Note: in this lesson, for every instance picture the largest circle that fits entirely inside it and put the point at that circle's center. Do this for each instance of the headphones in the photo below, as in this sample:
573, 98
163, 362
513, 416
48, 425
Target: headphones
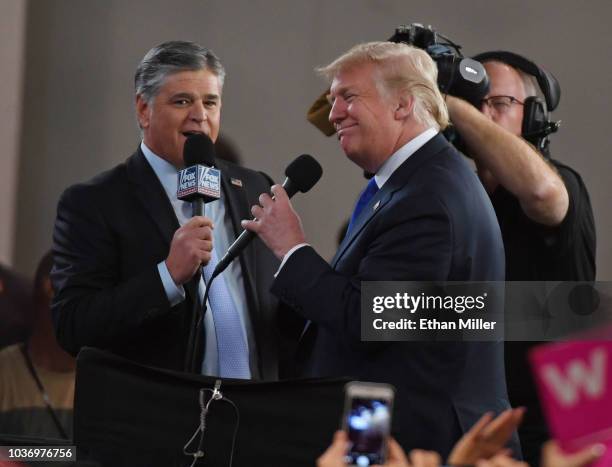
537, 124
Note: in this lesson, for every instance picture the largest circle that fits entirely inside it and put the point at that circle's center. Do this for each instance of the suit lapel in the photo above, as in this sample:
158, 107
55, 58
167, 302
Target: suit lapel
236, 195
237, 206
398, 180
154, 200
369, 211
152, 196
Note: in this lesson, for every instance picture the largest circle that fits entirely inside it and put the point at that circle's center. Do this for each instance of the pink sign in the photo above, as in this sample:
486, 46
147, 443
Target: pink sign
575, 385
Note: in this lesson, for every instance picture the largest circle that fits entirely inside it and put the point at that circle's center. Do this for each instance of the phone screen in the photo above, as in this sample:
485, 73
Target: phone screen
368, 427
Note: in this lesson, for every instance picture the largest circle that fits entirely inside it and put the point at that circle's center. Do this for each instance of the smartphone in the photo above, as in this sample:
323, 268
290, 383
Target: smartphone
367, 422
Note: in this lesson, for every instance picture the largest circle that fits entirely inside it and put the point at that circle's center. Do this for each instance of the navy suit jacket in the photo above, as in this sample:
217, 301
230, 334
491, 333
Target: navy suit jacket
110, 234
431, 221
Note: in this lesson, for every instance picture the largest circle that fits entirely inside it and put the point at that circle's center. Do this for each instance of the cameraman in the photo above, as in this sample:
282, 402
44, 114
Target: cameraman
542, 205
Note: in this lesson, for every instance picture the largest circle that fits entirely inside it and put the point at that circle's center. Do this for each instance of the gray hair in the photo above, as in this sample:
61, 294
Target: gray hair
530, 85
403, 68
173, 57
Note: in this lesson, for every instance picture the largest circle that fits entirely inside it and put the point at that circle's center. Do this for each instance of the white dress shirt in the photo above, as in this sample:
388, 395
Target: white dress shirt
222, 238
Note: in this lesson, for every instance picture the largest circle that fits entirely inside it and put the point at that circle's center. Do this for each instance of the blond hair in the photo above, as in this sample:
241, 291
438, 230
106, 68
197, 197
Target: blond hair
404, 69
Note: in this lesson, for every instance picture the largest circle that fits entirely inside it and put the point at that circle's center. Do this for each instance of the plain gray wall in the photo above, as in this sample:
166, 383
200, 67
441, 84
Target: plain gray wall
12, 40
78, 116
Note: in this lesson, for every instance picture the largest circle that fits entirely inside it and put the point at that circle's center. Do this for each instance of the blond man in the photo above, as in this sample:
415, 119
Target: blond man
424, 216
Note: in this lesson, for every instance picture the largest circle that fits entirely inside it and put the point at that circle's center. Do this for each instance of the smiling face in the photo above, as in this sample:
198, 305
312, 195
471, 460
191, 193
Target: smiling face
364, 118
187, 102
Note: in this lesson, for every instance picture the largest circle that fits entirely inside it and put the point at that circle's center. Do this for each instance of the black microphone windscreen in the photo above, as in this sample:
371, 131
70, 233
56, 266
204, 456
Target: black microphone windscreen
304, 172
199, 149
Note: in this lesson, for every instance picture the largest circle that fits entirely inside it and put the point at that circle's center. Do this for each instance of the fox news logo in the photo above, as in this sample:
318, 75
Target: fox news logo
198, 179
209, 182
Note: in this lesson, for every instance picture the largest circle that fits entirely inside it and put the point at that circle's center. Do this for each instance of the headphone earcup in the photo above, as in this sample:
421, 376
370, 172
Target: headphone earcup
535, 120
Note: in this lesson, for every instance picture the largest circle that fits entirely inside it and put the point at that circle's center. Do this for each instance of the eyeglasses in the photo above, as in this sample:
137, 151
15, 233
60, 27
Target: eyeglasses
500, 104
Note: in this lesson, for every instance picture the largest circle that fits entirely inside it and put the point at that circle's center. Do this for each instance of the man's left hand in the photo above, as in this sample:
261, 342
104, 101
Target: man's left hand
276, 222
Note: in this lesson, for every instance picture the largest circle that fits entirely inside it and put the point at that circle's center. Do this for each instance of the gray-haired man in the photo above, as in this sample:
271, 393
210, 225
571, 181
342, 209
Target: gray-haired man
126, 250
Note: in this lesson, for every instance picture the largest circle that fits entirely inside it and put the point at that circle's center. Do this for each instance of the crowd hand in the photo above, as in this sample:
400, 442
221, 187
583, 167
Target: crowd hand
335, 455
486, 438
553, 456
190, 248
500, 460
276, 222
418, 457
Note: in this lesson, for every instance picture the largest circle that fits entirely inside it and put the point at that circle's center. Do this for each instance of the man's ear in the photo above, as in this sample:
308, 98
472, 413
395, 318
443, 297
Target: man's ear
142, 112
405, 103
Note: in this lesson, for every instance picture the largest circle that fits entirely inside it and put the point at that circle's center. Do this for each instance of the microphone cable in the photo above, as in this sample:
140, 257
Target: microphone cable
202, 307
204, 409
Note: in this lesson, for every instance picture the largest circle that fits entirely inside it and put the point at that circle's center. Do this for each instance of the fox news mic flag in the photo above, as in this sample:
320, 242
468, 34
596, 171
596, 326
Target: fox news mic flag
199, 182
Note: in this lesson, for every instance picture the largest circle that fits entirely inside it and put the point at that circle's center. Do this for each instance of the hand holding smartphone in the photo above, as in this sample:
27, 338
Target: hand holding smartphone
367, 422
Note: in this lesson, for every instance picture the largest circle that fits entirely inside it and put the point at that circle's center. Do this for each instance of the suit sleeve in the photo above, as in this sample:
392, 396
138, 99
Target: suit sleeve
412, 245
94, 305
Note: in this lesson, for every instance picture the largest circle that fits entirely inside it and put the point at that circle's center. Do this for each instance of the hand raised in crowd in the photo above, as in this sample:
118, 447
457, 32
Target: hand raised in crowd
418, 457
190, 248
336, 452
553, 456
501, 460
486, 438
335, 455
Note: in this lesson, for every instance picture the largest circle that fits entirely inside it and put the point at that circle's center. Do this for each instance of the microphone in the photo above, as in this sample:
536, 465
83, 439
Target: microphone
199, 182
547, 129
302, 174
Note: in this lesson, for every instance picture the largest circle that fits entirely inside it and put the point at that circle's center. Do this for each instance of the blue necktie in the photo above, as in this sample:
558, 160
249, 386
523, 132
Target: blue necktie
232, 348
231, 345
366, 196
370, 190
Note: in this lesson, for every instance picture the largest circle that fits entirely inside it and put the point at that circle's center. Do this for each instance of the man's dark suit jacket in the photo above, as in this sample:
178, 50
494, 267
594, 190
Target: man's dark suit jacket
434, 222
111, 233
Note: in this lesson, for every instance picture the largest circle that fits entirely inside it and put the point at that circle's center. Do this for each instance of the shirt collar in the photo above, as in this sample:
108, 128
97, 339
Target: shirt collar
400, 156
165, 171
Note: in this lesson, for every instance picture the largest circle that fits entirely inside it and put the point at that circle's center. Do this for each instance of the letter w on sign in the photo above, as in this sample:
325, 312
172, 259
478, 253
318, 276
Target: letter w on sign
574, 386
588, 377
